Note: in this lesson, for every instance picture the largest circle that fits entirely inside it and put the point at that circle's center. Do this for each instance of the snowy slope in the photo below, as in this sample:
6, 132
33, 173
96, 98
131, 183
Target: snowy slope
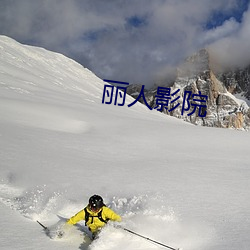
179, 184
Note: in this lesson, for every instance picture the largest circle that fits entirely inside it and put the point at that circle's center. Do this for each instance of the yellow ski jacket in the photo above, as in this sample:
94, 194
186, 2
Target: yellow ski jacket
94, 223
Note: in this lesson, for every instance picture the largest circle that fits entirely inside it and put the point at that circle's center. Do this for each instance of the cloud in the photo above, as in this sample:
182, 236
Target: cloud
135, 41
233, 49
228, 28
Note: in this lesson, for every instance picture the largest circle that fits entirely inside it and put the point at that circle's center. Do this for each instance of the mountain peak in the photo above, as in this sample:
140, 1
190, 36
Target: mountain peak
197, 64
197, 75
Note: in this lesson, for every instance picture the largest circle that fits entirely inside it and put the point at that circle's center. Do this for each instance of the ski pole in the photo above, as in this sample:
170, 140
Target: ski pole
146, 238
45, 228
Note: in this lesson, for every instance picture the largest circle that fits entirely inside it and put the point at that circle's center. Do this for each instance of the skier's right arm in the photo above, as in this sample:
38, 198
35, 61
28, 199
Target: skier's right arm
77, 217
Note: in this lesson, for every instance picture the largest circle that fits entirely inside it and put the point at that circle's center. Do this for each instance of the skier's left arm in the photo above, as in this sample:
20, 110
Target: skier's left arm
111, 215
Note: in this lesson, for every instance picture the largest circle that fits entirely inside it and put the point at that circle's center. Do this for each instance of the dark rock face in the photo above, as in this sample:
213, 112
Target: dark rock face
237, 81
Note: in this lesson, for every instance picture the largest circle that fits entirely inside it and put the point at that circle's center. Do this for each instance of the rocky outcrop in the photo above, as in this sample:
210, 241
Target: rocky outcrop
237, 81
223, 109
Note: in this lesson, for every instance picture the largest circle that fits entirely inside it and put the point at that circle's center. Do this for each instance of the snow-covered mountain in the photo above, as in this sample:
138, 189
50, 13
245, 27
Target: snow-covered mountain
223, 109
227, 93
182, 185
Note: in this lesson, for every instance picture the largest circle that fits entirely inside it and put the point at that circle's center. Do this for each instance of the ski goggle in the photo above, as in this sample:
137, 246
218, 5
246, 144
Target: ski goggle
94, 208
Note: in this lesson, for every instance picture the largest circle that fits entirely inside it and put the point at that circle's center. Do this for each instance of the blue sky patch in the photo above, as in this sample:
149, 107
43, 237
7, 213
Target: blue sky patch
219, 17
136, 21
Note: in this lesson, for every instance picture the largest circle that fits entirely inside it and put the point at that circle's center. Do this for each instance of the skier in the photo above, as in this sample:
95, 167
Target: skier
95, 214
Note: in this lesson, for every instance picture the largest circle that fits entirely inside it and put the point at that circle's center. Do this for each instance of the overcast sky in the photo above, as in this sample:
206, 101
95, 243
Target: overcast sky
131, 40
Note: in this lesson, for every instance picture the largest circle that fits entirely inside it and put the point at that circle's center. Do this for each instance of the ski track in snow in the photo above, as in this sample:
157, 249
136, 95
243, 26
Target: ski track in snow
42, 116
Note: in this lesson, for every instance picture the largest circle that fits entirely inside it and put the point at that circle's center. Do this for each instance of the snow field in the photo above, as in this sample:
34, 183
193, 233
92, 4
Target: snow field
146, 215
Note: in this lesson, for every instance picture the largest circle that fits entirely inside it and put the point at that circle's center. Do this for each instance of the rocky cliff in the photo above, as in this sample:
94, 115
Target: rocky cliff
223, 107
237, 81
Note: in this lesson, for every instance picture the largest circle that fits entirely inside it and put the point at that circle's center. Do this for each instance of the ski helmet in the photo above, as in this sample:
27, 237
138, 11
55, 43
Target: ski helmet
95, 202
